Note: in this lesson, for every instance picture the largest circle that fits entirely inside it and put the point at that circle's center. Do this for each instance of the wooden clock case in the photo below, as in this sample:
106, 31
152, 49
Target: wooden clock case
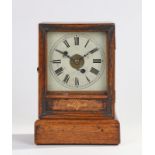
75, 117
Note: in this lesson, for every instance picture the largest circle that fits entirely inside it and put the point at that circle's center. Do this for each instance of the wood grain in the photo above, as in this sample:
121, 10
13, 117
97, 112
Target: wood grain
76, 105
77, 132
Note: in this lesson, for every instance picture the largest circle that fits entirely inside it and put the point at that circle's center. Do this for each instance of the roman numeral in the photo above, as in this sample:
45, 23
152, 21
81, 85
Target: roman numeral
66, 43
96, 60
59, 71
86, 44
94, 71
76, 39
66, 78
56, 61
93, 50
88, 79
76, 81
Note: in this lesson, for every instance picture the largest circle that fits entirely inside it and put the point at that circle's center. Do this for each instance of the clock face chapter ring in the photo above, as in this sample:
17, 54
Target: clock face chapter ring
76, 65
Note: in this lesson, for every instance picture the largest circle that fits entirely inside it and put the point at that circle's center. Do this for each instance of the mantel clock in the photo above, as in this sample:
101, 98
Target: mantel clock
76, 84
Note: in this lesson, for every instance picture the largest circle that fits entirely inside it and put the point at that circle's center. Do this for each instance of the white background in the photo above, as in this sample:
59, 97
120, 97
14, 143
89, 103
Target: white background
127, 17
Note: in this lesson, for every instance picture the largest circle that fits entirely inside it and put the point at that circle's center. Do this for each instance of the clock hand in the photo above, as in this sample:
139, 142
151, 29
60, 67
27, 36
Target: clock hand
65, 53
91, 52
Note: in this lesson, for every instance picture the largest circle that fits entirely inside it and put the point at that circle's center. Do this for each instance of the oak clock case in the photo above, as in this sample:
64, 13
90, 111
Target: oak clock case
76, 84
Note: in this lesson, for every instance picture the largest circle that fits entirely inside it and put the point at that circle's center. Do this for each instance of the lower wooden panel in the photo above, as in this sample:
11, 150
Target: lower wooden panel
77, 132
76, 105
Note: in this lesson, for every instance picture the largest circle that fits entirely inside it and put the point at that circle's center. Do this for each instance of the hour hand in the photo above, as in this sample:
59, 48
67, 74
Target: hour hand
91, 52
65, 53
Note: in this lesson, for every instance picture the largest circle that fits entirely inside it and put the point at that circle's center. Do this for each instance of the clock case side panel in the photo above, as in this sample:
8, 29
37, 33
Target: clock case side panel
45, 96
41, 72
111, 70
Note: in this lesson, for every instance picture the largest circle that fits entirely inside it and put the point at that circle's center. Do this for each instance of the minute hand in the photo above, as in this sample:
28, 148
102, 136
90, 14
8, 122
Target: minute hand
65, 53
91, 52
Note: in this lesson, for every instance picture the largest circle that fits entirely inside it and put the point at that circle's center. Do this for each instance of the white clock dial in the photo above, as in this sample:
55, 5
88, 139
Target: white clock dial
76, 61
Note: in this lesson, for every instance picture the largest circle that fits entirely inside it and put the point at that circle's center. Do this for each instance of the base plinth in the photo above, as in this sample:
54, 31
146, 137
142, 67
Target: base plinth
77, 131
